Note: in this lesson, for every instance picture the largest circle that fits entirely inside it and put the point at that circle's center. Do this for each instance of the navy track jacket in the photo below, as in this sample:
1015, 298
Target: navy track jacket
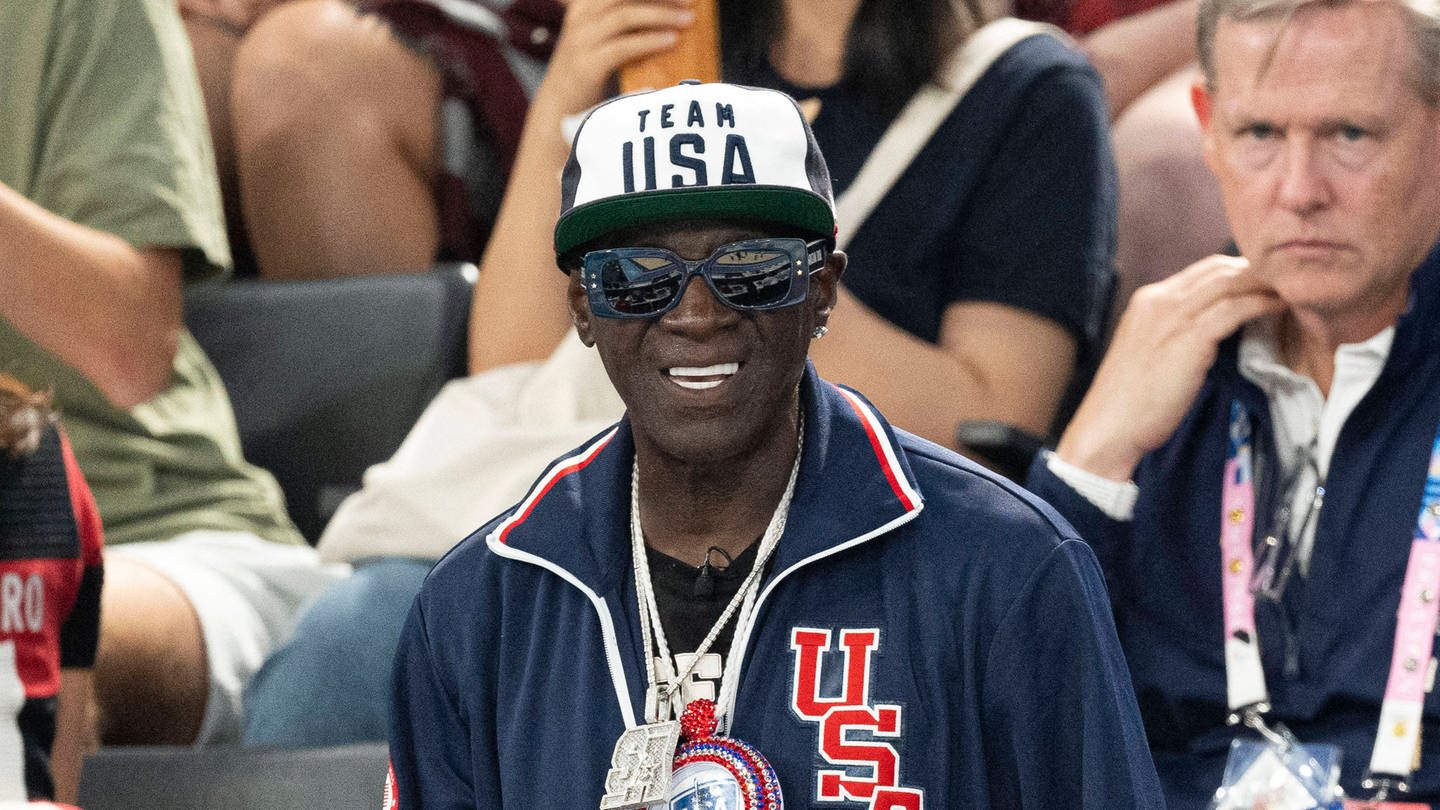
929, 636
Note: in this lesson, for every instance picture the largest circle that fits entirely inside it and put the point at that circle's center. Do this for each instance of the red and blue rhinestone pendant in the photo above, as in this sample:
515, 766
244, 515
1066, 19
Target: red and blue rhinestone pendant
719, 773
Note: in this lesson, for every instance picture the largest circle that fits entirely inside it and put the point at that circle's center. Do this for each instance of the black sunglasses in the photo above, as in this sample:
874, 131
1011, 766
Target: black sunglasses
646, 282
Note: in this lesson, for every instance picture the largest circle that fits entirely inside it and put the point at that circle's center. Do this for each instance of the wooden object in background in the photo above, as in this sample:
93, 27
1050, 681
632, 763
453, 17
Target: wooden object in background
696, 55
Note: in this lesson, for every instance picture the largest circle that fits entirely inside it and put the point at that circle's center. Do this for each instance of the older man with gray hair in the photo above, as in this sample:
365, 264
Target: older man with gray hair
1252, 458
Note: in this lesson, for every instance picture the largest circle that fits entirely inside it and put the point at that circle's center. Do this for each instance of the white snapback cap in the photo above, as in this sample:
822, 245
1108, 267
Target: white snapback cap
694, 151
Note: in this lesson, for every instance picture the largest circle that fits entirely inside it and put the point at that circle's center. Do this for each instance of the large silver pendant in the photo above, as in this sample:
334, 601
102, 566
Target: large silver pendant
722, 773
640, 767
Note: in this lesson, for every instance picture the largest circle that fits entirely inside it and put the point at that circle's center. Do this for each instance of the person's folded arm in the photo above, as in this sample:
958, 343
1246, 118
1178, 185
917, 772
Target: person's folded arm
992, 361
102, 305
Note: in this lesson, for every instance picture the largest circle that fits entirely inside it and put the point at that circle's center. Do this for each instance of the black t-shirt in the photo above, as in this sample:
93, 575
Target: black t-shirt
686, 616
1012, 201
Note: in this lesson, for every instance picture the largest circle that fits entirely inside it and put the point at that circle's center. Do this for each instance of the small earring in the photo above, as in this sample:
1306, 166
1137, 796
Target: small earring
820, 331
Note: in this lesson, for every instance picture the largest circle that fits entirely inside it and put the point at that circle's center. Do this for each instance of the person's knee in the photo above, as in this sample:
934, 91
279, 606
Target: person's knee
1170, 212
319, 89
287, 77
1162, 172
1157, 143
151, 676
313, 67
1157, 146
1159, 181
355, 611
328, 683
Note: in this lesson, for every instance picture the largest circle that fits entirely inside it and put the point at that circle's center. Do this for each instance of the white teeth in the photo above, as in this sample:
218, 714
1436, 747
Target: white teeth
707, 371
679, 375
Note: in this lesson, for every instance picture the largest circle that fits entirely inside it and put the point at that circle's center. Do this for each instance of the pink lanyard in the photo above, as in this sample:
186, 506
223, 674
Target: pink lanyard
1397, 740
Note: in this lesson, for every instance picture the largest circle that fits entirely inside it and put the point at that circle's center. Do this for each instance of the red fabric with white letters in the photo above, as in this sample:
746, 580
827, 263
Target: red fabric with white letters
50, 577
39, 593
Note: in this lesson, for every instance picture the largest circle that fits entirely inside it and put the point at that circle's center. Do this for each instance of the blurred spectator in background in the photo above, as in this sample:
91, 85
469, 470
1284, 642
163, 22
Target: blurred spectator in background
108, 203
367, 137
973, 289
1170, 211
50, 576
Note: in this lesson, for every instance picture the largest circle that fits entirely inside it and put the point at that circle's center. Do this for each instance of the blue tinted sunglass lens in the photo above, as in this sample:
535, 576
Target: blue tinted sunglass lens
640, 285
644, 282
753, 278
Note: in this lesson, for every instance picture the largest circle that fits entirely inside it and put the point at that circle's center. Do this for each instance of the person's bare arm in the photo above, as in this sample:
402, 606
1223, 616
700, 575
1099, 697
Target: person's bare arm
992, 361
1165, 342
515, 313
111, 310
74, 732
518, 310
1135, 53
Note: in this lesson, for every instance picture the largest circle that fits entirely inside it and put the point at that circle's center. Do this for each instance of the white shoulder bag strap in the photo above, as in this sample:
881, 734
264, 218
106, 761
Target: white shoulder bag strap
930, 106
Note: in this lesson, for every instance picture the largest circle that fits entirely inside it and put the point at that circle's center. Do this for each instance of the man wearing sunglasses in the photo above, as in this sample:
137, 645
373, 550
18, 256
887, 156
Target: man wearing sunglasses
1275, 559
834, 611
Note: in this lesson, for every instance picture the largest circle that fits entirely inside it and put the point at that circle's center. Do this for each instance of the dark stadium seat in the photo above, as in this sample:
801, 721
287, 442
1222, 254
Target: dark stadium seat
1002, 447
227, 778
327, 377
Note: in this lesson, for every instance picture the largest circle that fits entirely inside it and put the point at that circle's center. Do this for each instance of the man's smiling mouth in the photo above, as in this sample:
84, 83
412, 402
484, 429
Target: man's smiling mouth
699, 378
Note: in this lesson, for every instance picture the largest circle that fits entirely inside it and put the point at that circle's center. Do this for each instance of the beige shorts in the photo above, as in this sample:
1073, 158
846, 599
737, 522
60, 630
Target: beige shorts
248, 593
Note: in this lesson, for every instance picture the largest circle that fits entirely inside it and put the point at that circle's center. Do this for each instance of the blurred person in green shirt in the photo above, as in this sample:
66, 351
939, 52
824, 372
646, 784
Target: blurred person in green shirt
108, 205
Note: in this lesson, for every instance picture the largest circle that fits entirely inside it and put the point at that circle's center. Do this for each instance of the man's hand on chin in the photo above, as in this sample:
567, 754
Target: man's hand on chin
1158, 357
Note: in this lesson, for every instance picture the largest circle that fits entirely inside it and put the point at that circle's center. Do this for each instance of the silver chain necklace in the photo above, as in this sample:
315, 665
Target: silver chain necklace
659, 696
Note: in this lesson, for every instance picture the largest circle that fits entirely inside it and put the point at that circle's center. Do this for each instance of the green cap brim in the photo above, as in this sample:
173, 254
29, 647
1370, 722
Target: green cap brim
783, 205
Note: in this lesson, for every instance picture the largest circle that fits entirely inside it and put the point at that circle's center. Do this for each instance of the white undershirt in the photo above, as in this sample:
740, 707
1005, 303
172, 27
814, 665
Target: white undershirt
1298, 411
